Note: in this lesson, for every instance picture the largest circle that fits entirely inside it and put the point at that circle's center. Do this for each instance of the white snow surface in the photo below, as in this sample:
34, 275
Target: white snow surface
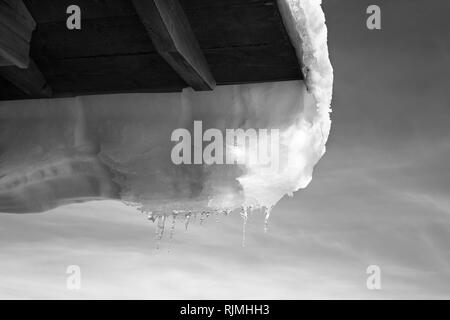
59, 151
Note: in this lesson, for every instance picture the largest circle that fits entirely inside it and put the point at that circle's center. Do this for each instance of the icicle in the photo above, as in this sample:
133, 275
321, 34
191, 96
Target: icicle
188, 219
266, 219
151, 216
172, 227
216, 215
244, 215
206, 215
202, 217
160, 229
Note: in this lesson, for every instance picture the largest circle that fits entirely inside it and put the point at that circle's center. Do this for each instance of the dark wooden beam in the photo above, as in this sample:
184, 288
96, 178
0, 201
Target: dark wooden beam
16, 27
171, 34
16, 66
30, 80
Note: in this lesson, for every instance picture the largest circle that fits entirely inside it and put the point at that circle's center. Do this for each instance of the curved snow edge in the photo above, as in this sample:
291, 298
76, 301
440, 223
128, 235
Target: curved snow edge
305, 22
306, 137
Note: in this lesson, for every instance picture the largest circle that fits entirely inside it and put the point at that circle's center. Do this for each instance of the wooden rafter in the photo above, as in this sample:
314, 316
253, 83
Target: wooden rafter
29, 80
171, 33
16, 66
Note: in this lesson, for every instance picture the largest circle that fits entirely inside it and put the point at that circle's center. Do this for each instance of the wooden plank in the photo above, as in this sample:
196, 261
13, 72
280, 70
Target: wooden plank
10, 92
21, 10
30, 80
172, 36
15, 22
112, 52
13, 48
97, 37
235, 25
111, 74
224, 4
16, 27
253, 64
149, 72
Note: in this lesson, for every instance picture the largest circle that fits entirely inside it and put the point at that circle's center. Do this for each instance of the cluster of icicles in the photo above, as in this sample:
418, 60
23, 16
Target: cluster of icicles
186, 217
305, 23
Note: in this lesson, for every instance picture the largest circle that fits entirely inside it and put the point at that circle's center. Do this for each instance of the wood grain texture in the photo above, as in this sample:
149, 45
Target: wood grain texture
243, 41
29, 80
171, 34
16, 27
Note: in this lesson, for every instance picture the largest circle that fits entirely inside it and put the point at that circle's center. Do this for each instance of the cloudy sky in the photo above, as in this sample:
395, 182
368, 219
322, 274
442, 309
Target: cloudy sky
379, 196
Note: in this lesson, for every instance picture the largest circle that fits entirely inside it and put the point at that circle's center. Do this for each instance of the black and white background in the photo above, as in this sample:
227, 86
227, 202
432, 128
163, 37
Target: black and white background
379, 196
